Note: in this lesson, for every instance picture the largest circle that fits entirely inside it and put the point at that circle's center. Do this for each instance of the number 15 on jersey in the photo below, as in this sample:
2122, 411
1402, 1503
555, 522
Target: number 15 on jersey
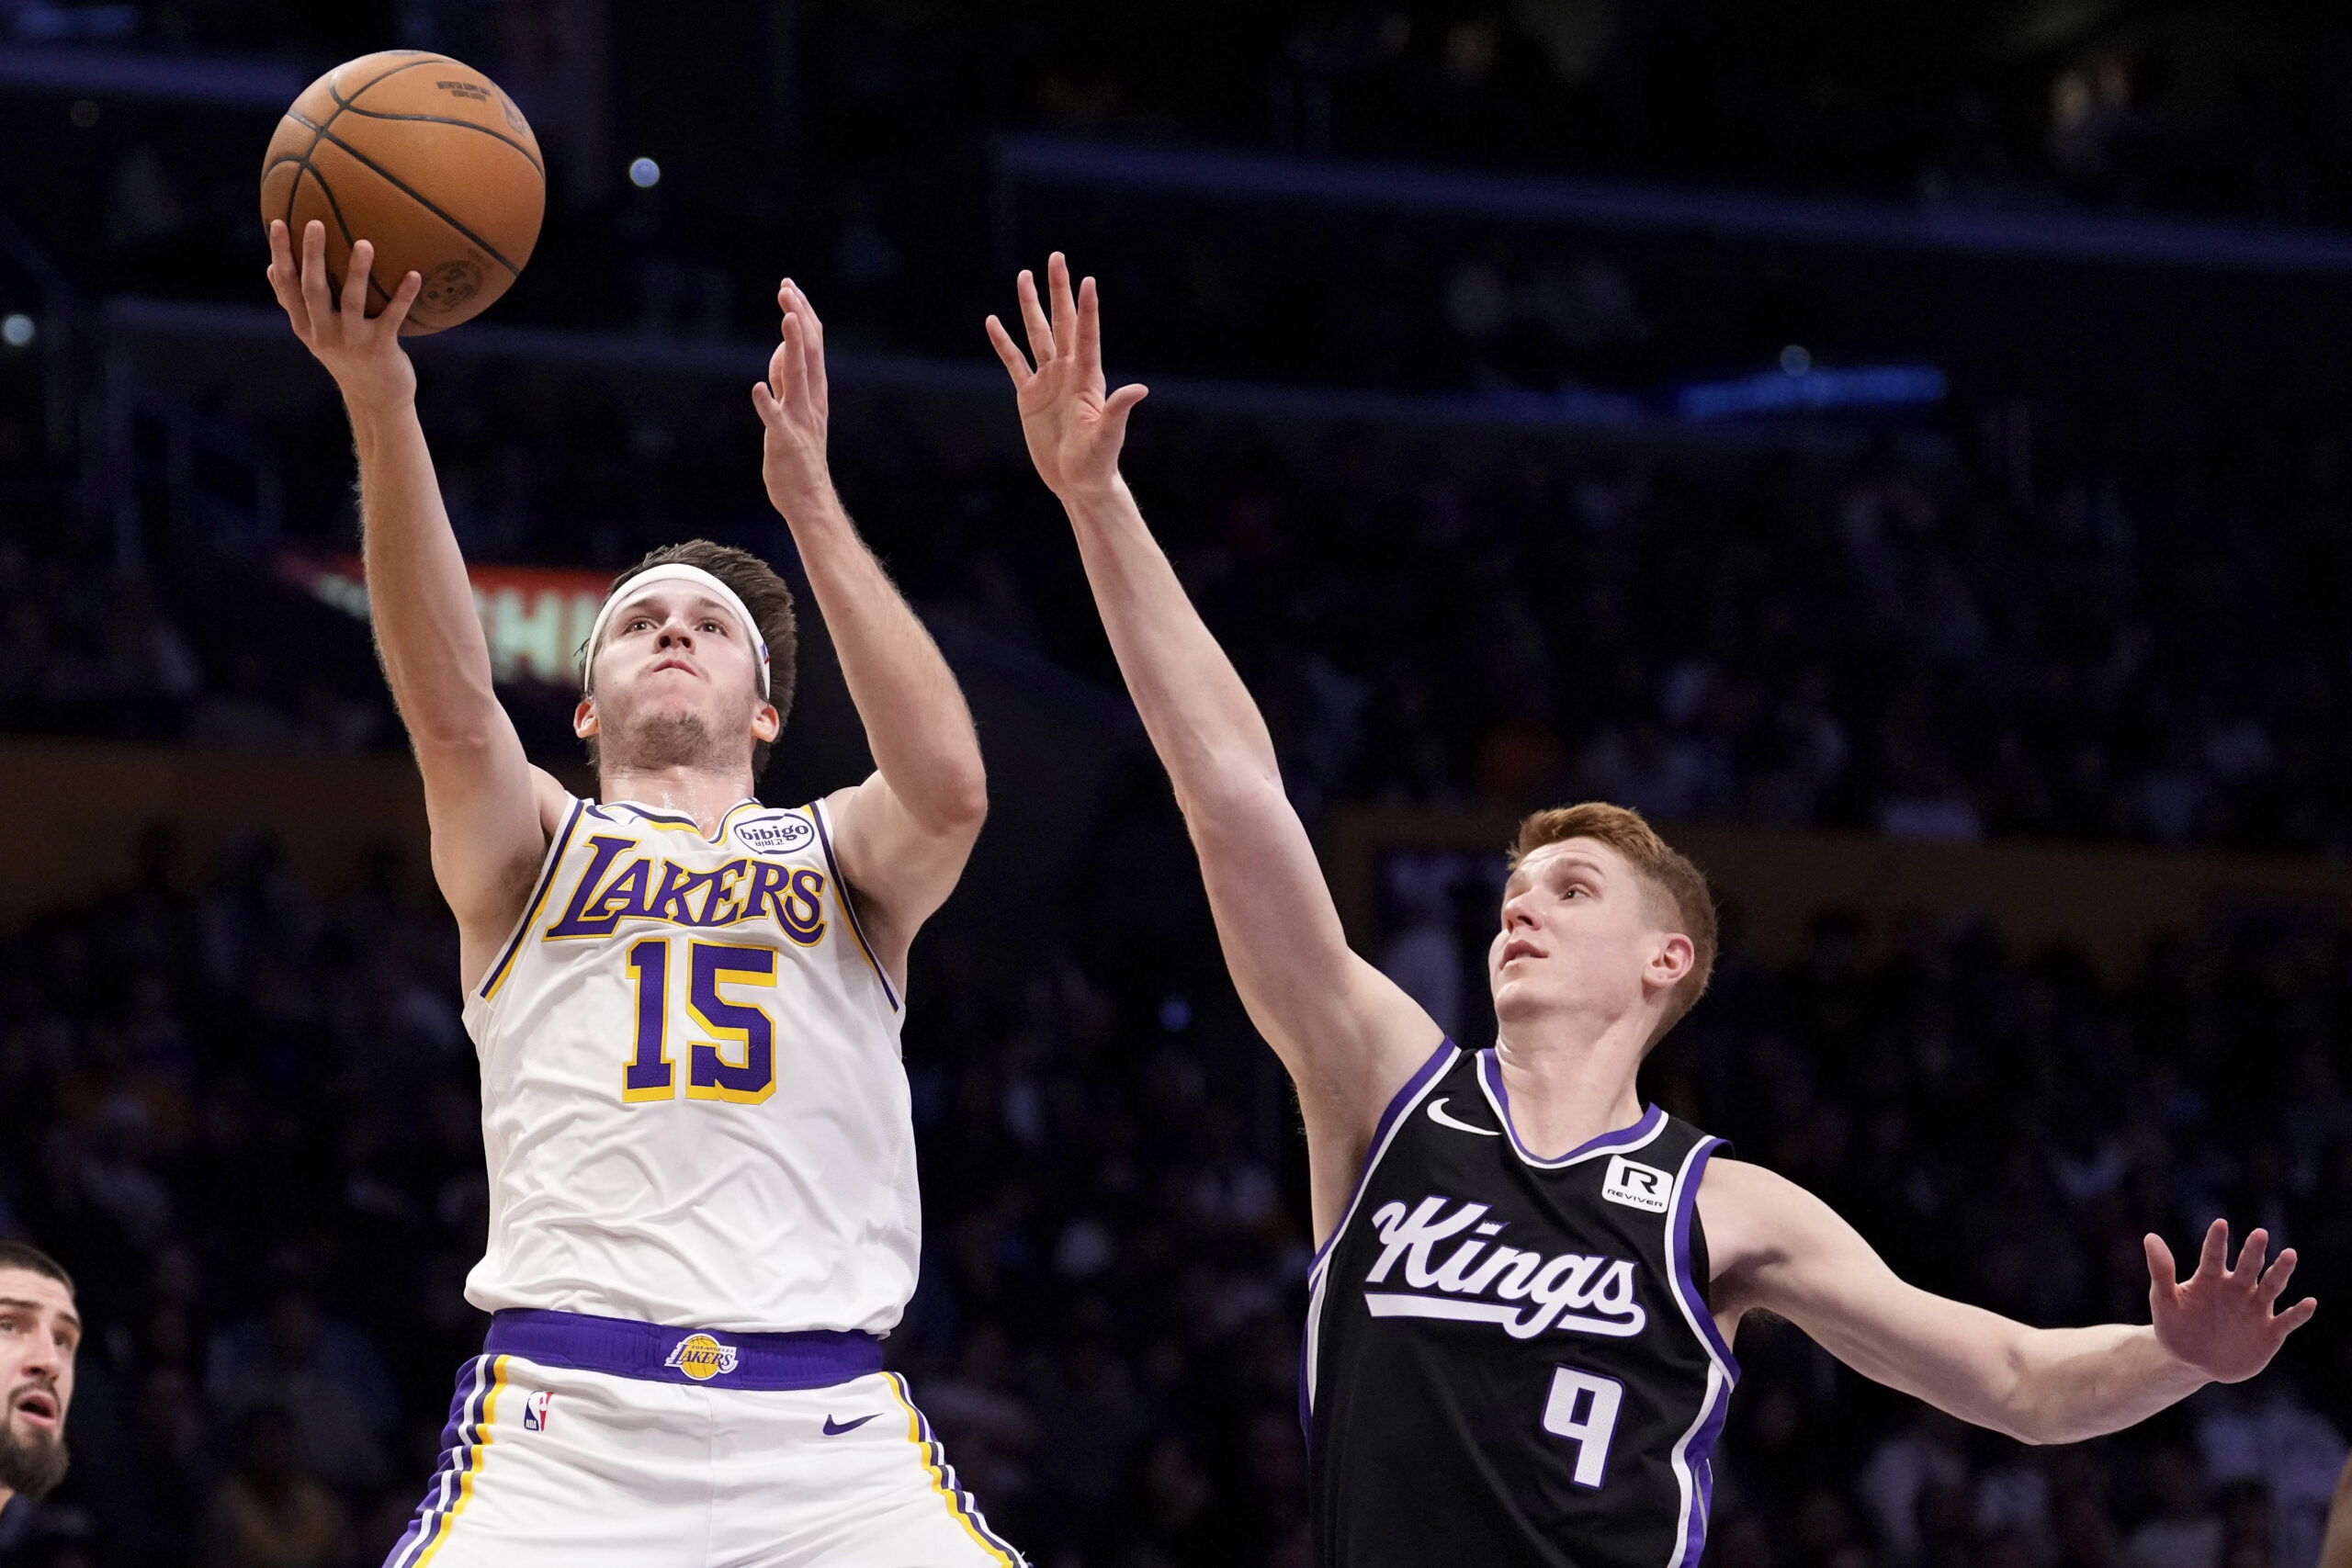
737, 1063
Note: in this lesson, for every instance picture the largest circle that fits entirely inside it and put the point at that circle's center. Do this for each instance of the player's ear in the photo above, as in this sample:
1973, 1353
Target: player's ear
583, 719
766, 722
1672, 959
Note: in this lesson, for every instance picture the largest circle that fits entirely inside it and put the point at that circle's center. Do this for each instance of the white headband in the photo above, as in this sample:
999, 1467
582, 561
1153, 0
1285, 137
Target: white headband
673, 571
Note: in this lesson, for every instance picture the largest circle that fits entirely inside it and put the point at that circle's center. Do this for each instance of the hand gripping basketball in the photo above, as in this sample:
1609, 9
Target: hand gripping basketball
2219, 1320
361, 352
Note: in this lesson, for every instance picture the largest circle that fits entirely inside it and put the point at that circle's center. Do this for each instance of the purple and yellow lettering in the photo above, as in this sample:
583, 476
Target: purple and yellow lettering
769, 881
802, 910
591, 914
720, 909
678, 888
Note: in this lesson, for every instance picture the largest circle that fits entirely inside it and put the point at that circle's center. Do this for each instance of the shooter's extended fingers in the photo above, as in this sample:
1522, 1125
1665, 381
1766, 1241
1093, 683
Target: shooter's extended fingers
1032, 317
814, 330
1016, 364
795, 360
354, 281
395, 311
284, 281
314, 274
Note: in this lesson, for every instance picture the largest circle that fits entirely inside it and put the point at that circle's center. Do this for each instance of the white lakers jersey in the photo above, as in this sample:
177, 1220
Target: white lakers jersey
693, 1102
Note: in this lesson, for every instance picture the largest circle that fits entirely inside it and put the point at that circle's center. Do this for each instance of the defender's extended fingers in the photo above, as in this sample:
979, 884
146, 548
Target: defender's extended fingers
764, 403
2295, 1316
1065, 303
1089, 329
354, 280
778, 371
396, 310
1032, 317
2252, 1255
2215, 1254
2164, 1273
2273, 1279
1120, 403
1016, 364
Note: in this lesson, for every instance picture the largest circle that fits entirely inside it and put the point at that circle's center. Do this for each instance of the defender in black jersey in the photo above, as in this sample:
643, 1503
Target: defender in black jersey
1518, 1341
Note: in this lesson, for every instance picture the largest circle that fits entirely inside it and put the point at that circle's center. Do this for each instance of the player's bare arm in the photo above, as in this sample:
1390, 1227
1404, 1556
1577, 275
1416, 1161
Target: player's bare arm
1776, 1247
1349, 1036
905, 832
490, 811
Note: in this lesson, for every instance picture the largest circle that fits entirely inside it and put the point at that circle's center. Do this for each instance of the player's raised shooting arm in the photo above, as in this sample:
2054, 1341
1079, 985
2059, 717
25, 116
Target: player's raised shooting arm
904, 834
1349, 1035
486, 804
1774, 1246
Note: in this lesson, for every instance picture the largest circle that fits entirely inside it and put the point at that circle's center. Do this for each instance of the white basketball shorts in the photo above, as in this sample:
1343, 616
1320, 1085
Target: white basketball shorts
614, 1444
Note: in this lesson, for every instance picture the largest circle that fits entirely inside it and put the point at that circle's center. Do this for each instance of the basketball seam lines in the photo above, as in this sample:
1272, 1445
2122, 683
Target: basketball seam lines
414, 195
447, 119
320, 130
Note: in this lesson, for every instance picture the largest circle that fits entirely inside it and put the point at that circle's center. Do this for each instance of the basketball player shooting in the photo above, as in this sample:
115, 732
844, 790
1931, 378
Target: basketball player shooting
686, 1005
1527, 1288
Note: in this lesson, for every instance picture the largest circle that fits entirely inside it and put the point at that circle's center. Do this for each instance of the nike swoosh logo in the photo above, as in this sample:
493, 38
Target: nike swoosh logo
832, 1430
1438, 1115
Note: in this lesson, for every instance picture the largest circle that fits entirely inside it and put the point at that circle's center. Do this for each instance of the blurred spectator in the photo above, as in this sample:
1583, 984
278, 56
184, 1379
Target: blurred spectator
267, 1513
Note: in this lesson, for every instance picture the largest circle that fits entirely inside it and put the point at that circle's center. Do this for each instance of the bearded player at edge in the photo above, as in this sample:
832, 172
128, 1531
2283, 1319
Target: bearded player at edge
1521, 1312
686, 1005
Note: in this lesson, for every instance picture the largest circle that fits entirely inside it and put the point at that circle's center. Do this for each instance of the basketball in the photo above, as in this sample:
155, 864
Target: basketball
425, 157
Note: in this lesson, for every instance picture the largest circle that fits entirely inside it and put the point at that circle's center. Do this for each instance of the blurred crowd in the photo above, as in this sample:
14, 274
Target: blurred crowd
246, 1118
1910, 630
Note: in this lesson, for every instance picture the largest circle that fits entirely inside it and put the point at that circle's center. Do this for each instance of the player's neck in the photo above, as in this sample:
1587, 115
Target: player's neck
1568, 1084
701, 794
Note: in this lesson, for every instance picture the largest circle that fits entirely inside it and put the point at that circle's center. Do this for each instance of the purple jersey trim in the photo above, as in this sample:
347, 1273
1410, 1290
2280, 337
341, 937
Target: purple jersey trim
538, 900
1698, 1455
623, 1347
841, 891
1686, 1207
1440, 1059
1490, 1073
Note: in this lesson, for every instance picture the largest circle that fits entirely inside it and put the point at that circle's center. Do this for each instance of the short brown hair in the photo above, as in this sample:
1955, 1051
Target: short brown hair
1682, 900
33, 1260
764, 593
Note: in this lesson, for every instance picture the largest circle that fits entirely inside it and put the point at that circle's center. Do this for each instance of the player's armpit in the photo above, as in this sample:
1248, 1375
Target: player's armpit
490, 838
901, 868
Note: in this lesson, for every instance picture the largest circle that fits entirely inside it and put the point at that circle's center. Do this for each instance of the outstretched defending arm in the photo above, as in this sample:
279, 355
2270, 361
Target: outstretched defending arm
904, 834
1349, 1035
490, 810
1778, 1248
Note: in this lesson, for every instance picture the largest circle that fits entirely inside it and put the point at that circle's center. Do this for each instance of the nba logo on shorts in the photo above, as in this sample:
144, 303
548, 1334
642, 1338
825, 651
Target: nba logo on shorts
702, 1357
534, 1411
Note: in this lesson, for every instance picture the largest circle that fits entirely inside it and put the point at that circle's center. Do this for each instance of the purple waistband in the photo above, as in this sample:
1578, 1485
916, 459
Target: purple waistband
623, 1347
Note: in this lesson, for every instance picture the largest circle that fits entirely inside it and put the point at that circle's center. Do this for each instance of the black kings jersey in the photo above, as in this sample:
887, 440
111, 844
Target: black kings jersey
1509, 1360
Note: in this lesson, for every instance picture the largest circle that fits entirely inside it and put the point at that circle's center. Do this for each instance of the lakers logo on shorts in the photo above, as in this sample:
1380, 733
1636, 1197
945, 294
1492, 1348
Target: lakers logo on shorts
702, 1357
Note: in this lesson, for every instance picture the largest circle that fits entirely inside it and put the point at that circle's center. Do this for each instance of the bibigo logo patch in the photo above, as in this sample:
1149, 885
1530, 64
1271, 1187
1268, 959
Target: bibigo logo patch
775, 835
702, 1357
1637, 1185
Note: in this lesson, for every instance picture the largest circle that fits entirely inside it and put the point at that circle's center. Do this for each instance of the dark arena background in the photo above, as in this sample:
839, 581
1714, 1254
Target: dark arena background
1903, 449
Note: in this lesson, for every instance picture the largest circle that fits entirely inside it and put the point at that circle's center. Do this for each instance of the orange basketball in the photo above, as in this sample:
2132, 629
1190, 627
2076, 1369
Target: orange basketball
426, 158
